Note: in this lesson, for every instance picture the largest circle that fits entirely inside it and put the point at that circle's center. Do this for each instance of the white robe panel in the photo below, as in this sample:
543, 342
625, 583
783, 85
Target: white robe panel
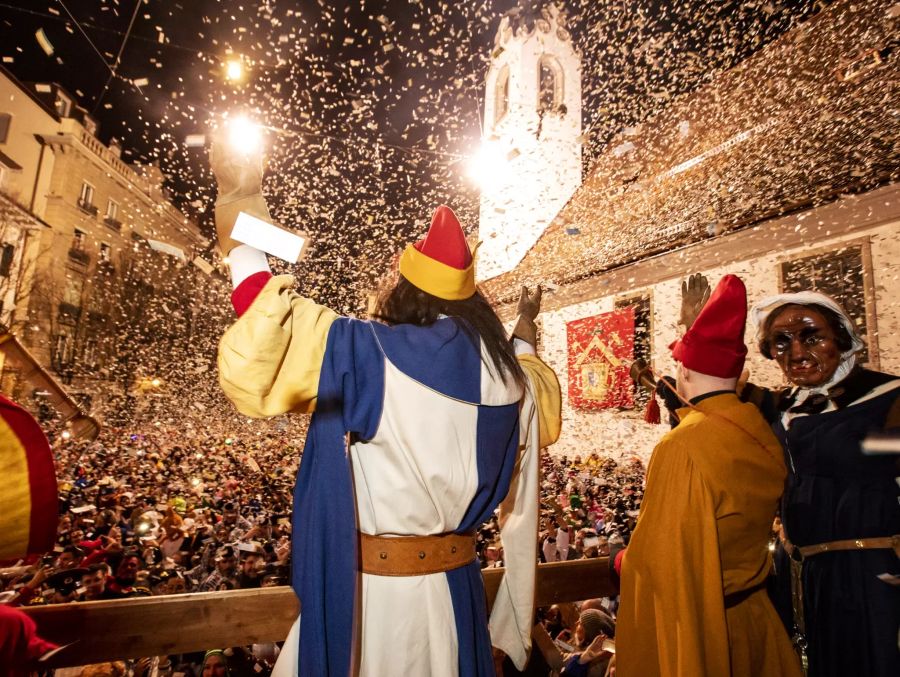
417, 476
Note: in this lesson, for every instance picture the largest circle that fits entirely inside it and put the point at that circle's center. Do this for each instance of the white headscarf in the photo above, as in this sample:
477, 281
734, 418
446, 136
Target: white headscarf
761, 311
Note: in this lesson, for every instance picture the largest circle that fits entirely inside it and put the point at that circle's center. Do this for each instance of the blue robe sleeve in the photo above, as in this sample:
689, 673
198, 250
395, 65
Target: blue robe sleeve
356, 386
350, 397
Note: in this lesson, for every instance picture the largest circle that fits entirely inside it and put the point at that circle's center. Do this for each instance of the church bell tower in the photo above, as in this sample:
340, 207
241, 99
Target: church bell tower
531, 156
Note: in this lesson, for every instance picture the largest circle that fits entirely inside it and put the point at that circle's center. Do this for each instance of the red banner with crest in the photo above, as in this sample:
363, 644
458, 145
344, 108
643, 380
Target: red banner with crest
601, 349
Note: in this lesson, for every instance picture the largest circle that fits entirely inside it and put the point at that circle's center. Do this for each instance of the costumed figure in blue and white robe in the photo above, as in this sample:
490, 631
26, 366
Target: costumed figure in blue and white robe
423, 425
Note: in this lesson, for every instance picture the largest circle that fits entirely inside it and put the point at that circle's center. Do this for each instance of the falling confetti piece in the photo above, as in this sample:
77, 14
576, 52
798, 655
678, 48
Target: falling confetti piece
203, 265
44, 42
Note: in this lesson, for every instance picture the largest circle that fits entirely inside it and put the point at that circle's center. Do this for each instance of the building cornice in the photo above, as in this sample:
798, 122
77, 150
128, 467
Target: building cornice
117, 169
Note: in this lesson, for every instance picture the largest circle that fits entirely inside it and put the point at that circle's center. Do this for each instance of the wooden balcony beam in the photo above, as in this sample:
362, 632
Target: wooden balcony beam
153, 626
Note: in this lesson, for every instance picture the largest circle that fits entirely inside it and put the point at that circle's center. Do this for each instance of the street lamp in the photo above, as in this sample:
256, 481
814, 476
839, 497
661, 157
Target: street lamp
234, 70
488, 165
244, 135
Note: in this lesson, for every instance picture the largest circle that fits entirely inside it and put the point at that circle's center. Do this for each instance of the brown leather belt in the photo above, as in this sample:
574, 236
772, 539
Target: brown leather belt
415, 555
800, 553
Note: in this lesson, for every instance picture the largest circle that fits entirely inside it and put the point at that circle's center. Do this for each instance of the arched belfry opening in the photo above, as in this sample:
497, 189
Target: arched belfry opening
501, 94
550, 85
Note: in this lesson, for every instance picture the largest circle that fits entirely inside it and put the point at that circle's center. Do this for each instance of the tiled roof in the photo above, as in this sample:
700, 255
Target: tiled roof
810, 117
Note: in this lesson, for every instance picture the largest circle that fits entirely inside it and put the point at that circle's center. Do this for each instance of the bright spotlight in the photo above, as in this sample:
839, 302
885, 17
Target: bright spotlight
244, 136
234, 70
488, 164
155, 383
66, 434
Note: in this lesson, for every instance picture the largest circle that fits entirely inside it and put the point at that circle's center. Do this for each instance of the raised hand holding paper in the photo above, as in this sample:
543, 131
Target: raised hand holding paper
242, 217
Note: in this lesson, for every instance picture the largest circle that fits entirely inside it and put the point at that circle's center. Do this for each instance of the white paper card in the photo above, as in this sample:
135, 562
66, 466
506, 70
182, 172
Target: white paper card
267, 237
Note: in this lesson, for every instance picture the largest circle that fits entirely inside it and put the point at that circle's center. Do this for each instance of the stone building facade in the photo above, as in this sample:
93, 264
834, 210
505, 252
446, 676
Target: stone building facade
111, 237
782, 170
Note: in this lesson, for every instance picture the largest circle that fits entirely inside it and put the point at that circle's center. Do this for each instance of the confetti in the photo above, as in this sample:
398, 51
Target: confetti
44, 42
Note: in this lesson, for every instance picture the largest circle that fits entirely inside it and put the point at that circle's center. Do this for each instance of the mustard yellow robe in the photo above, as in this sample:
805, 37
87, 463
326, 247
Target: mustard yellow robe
713, 485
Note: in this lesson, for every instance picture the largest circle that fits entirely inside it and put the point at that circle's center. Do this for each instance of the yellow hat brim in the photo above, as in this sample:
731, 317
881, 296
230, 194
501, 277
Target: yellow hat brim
436, 278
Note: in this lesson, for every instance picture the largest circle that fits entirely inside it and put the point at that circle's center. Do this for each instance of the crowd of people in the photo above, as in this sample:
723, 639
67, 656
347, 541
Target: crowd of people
589, 505
155, 512
165, 511
158, 513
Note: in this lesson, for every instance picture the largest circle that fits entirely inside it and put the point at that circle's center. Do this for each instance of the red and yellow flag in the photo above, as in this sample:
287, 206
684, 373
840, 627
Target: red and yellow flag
28, 497
601, 349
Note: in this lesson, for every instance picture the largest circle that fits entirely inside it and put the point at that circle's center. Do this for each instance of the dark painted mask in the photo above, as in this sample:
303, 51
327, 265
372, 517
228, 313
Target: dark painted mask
804, 345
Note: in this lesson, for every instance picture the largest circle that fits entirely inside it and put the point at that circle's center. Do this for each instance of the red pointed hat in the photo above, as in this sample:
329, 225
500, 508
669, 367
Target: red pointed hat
714, 345
441, 263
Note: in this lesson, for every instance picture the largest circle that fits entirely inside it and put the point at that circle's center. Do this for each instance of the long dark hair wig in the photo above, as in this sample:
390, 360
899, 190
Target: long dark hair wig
404, 303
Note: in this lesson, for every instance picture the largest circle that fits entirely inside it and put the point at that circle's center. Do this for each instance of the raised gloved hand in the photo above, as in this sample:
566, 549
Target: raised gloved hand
239, 178
238, 174
694, 295
528, 309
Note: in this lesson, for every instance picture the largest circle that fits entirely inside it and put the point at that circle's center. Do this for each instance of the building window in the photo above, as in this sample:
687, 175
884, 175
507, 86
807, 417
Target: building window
78, 250
63, 105
840, 275
73, 289
105, 253
550, 85
5, 122
86, 197
89, 353
63, 349
7, 251
501, 98
640, 304
112, 210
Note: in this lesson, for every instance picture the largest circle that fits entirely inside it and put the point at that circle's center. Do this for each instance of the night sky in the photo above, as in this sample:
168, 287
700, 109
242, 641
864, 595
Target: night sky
378, 103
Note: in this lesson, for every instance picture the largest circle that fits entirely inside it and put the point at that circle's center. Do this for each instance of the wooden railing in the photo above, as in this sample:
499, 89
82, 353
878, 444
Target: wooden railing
155, 626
